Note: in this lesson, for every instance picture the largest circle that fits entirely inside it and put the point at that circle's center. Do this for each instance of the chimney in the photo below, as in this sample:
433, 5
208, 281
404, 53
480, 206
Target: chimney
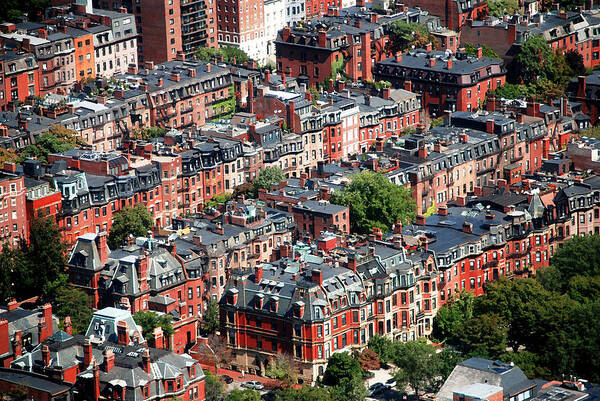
45, 355
374, 18
132, 69
283, 79
10, 167
4, 337
489, 126
160, 82
408, 85
175, 77
142, 268
42, 33
286, 34
357, 23
429, 47
330, 88
180, 56
422, 153
96, 373
68, 325
322, 39
146, 361
102, 245
17, 343
192, 72
109, 359
398, 57
479, 52
101, 99
431, 61
443, 210
565, 107
149, 65
512, 33
219, 228
461, 200
386, 93
303, 178
360, 3
341, 84
258, 274
352, 262
317, 276
398, 227
467, 227
122, 333
267, 76
87, 353
420, 220
581, 86
158, 338
449, 63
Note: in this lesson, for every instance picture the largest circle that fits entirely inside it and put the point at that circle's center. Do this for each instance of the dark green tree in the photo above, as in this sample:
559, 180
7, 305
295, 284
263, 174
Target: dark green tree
485, 336
11, 10
243, 395
134, 221
9, 262
383, 347
73, 302
213, 387
341, 366
584, 289
210, 320
58, 139
418, 366
510, 91
574, 60
44, 258
305, 393
449, 323
267, 177
374, 201
487, 51
150, 320
499, 8
228, 53
579, 256
406, 35
350, 389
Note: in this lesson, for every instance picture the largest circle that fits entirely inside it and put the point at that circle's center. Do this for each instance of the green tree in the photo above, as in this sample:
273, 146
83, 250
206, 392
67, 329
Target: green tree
584, 289
574, 60
451, 318
436, 122
499, 8
148, 132
285, 369
210, 320
305, 393
243, 395
519, 303
11, 10
228, 53
374, 201
150, 320
406, 35
218, 200
536, 60
579, 256
382, 346
58, 139
76, 304
213, 387
207, 54
349, 389
267, 177
9, 262
592, 132
510, 91
485, 336
43, 260
487, 51
418, 366
341, 366
134, 221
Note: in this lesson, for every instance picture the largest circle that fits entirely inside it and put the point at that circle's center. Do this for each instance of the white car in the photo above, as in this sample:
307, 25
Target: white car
253, 384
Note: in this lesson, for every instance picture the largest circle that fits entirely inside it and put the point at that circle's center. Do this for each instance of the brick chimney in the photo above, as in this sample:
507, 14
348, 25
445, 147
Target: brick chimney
479, 52
285, 35
158, 338
160, 82
408, 85
449, 63
68, 325
45, 322
317, 276
102, 245
122, 333
489, 126
87, 353
422, 153
45, 355
398, 57
398, 227
467, 227
581, 86
132, 69
443, 210
96, 373
429, 46
374, 18
352, 262
322, 39
258, 274
386, 93
432, 61
18, 343
420, 220
512, 33
146, 362
109, 359
4, 337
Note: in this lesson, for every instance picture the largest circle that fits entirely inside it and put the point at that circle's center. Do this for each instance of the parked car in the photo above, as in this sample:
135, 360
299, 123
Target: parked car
253, 384
378, 389
227, 379
391, 382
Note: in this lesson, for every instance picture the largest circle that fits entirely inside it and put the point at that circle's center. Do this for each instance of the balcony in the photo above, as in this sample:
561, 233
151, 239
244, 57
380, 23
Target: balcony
519, 254
490, 264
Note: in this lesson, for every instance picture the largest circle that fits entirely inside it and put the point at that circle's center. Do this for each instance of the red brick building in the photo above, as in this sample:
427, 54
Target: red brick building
37, 387
453, 14
314, 217
13, 216
456, 83
19, 78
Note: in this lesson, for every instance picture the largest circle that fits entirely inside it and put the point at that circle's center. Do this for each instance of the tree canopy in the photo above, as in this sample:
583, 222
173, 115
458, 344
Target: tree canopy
12, 10
407, 35
73, 302
58, 139
209, 54
499, 8
266, 177
213, 387
148, 132
374, 201
134, 221
150, 320
341, 365
210, 319
243, 395
487, 51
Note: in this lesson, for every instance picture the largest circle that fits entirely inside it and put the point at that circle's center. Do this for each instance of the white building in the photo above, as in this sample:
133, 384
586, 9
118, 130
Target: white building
275, 20
115, 45
294, 11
